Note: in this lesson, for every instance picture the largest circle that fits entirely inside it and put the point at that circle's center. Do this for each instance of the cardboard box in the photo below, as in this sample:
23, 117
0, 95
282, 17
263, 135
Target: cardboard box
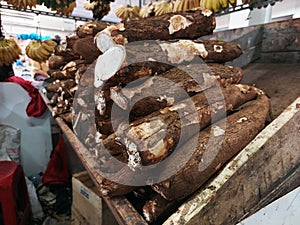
88, 208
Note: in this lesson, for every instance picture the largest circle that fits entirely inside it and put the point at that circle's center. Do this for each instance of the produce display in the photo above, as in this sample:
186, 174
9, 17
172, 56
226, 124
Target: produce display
133, 112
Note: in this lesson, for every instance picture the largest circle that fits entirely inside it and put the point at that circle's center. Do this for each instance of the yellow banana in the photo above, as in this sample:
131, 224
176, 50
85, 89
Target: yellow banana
223, 3
203, 3
162, 7
10, 51
186, 5
245, 1
215, 4
232, 2
208, 5
178, 6
197, 3
49, 45
44, 52
146, 10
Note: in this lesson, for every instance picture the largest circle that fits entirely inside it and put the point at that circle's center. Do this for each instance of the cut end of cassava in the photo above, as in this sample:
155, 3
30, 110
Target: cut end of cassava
108, 64
177, 23
104, 41
183, 50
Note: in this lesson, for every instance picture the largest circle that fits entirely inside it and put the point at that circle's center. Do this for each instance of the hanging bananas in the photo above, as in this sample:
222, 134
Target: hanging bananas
217, 5
89, 5
147, 10
22, 4
9, 51
101, 9
61, 6
127, 12
182, 5
67, 10
39, 50
232, 2
162, 7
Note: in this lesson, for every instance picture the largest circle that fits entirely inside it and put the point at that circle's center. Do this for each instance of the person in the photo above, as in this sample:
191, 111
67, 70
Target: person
6, 72
57, 39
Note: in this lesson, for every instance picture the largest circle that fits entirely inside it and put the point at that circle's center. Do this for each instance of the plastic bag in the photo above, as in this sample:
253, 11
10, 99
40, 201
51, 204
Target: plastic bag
10, 141
36, 207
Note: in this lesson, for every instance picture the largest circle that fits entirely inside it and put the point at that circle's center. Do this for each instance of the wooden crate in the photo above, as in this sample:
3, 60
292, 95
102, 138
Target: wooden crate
267, 168
87, 205
264, 170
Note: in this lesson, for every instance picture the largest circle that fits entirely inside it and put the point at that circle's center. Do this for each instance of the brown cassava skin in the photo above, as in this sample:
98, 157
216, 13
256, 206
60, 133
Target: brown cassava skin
241, 128
91, 28
56, 61
212, 51
86, 48
153, 28
179, 119
234, 98
186, 181
170, 84
155, 207
147, 98
54, 87
229, 51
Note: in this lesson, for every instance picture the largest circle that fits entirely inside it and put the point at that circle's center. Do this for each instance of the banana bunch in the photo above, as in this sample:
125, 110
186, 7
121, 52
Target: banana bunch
61, 6
162, 7
147, 10
182, 5
67, 10
89, 5
216, 5
22, 4
127, 12
39, 50
232, 2
9, 51
101, 8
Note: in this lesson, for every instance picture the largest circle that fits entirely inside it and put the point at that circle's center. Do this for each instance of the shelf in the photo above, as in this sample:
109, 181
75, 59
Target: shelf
254, 4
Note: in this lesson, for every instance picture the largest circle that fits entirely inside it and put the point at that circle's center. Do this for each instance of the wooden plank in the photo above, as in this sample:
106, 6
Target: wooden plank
251, 178
120, 207
289, 183
124, 212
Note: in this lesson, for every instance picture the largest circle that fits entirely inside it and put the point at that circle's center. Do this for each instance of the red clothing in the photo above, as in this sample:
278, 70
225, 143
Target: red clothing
36, 107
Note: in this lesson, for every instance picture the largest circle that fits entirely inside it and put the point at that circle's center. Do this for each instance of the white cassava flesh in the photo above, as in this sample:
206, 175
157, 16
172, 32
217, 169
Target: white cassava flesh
104, 41
108, 64
177, 23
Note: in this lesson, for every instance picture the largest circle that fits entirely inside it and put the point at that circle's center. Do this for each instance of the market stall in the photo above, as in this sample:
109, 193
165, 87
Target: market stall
167, 125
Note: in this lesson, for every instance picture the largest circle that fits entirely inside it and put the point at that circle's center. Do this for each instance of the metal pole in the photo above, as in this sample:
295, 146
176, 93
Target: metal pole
1, 34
